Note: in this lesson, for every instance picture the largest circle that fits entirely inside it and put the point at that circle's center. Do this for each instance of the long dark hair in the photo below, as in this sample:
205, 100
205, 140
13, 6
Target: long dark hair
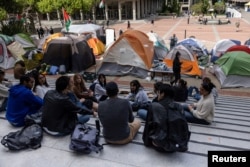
36, 77
99, 80
137, 85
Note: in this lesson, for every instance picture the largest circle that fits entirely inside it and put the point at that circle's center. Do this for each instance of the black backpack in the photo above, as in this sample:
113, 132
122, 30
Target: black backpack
28, 137
174, 136
178, 131
84, 139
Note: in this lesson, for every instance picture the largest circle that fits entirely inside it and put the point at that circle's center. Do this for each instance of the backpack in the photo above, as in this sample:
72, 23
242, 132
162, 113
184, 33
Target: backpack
28, 137
174, 136
177, 129
84, 139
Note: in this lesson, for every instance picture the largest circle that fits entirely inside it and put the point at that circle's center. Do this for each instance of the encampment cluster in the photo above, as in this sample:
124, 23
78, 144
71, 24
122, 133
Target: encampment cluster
132, 53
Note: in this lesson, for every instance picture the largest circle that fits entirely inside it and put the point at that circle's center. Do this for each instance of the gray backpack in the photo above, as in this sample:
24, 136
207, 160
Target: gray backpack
84, 139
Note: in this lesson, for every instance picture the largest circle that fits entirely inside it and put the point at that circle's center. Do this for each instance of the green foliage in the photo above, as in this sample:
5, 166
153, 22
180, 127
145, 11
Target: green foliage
205, 6
3, 14
219, 7
173, 7
47, 6
13, 28
196, 8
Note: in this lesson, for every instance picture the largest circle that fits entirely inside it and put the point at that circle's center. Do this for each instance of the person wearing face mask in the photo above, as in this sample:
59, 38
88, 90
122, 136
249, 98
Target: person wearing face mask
22, 101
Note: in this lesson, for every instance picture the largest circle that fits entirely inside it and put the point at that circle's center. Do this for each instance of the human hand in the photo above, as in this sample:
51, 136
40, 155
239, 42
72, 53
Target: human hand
82, 100
95, 114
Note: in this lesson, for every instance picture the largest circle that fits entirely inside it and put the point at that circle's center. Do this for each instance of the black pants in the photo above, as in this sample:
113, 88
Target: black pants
177, 76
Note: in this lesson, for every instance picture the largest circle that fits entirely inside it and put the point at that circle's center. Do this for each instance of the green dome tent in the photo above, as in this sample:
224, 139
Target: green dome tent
233, 69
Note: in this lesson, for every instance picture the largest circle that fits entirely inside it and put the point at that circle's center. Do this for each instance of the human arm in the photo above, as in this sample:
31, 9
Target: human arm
204, 108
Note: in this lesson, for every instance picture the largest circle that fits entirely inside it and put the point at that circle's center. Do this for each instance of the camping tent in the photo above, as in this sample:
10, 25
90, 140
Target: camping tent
71, 51
195, 45
6, 60
239, 48
83, 29
25, 41
45, 40
97, 46
160, 48
221, 46
131, 54
247, 43
189, 61
233, 70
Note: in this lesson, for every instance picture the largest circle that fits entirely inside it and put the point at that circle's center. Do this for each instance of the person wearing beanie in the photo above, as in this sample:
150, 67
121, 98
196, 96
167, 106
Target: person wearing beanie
116, 116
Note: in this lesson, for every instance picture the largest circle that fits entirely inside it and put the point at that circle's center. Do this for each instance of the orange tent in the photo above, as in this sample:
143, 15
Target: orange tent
189, 61
97, 46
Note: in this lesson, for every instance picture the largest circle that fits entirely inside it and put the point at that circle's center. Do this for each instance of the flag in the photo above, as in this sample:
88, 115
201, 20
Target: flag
101, 5
66, 19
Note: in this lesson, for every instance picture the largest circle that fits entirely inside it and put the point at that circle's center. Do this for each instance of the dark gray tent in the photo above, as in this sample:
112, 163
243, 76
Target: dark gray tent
71, 51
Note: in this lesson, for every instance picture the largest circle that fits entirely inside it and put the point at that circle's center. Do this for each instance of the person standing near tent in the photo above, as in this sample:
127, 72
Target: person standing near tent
173, 41
176, 68
51, 31
120, 32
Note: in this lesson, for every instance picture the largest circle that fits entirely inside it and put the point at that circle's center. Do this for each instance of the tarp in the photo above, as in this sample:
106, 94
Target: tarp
7, 39
45, 40
25, 41
130, 54
71, 51
233, 69
83, 29
189, 61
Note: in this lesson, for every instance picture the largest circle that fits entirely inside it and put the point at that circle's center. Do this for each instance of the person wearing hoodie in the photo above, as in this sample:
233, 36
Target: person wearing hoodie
137, 95
22, 101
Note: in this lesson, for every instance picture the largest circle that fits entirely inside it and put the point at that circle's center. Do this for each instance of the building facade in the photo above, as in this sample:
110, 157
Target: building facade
131, 9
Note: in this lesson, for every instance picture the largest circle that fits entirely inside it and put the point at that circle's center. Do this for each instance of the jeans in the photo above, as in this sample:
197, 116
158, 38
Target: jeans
83, 118
142, 113
190, 117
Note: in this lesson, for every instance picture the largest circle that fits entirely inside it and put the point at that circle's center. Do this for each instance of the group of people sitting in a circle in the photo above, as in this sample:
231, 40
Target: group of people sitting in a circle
71, 102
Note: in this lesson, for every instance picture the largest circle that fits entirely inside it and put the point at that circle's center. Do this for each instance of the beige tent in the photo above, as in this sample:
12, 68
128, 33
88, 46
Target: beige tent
131, 54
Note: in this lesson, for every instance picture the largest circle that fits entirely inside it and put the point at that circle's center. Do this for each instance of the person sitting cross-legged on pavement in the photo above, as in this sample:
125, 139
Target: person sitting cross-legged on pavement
41, 85
100, 90
59, 112
201, 112
181, 91
197, 94
116, 116
142, 113
137, 95
22, 101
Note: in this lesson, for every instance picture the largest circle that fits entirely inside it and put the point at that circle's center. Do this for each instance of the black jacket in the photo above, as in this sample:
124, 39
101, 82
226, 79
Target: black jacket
59, 113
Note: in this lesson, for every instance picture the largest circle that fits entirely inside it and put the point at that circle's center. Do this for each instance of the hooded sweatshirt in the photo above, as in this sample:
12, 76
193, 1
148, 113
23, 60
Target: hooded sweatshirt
21, 102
